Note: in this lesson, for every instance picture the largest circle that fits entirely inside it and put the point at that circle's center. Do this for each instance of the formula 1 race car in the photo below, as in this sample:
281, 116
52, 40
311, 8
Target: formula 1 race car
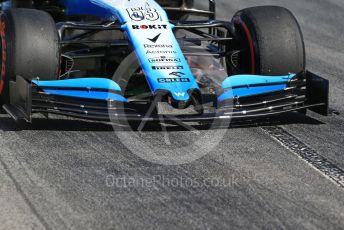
143, 59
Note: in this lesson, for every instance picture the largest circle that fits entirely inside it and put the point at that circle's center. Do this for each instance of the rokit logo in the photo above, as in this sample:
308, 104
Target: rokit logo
149, 27
167, 67
179, 78
163, 59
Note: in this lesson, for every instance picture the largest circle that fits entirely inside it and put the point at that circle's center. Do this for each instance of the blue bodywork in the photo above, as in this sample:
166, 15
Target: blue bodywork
106, 96
151, 35
246, 85
90, 88
140, 32
87, 83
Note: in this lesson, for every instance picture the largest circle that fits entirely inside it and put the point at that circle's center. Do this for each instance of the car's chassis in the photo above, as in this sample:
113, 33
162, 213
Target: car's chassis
82, 47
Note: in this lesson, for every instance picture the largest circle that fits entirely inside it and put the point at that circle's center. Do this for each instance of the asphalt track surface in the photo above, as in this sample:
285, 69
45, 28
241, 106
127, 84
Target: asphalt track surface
60, 173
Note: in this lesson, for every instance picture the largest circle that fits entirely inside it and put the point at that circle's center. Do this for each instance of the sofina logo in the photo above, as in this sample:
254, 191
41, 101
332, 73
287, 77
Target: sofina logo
163, 59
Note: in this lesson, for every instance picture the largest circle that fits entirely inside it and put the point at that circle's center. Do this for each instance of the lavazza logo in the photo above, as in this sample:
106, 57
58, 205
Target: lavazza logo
164, 60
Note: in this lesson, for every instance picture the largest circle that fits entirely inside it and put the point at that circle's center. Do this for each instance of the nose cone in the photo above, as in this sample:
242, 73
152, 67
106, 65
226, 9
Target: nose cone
180, 96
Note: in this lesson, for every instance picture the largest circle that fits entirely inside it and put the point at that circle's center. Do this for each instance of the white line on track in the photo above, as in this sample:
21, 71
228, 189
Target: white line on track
309, 155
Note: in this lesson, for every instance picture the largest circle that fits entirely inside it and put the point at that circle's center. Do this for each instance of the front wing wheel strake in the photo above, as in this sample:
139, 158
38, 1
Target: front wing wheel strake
242, 97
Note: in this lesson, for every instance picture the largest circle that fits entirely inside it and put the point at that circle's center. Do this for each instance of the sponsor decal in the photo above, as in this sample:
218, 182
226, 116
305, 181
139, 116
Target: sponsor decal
161, 52
158, 48
177, 79
142, 13
179, 94
163, 46
154, 39
173, 80
178, 74
167, 67
164, 59
149, 27
136, 14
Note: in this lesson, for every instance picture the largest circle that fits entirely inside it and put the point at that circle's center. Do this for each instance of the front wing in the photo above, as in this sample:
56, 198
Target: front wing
100, 99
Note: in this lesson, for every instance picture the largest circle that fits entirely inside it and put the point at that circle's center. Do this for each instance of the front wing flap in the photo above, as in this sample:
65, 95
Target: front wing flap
104, 102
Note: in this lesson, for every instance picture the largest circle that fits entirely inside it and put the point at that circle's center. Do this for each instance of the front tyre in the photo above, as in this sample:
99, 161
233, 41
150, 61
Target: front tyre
29, 47
271, 41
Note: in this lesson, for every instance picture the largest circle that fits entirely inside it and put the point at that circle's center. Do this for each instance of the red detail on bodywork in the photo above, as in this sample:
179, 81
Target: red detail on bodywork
4, 54
1, 86
238, 20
